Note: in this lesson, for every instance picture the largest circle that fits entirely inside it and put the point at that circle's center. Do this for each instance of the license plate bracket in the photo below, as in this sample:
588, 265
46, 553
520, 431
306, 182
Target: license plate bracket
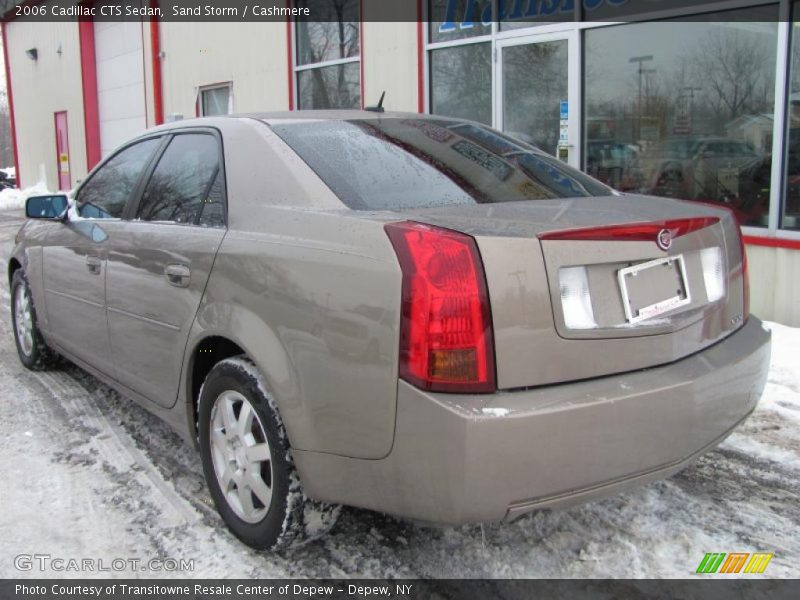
637, 282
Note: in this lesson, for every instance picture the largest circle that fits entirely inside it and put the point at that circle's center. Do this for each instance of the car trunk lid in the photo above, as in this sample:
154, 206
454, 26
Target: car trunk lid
580, 287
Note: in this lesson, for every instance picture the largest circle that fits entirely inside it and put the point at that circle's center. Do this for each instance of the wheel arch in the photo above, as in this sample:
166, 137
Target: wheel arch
221, 332
13, 266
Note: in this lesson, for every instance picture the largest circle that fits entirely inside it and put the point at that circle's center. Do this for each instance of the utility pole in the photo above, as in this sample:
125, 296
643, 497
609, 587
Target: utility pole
640, 60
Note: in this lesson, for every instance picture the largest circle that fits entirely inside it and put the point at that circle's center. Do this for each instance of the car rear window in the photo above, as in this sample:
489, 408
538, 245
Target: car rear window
392, 163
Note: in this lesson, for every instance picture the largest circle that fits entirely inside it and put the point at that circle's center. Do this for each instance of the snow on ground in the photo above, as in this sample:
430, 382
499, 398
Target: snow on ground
11, 198
87, 474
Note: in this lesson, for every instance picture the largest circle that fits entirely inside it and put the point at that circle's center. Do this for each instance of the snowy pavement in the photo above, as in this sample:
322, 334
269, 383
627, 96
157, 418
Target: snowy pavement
84, 473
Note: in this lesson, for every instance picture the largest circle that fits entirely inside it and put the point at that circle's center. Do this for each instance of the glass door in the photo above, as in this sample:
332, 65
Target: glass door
537, 99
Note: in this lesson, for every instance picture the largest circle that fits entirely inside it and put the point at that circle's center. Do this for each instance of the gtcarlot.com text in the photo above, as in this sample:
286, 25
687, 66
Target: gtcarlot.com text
63, 564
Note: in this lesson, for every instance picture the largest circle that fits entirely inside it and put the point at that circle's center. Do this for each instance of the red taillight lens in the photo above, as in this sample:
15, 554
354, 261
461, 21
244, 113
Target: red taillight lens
632, 231
446, 340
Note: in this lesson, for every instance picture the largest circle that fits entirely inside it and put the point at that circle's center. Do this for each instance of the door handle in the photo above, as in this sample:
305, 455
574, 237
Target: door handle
93, 263
178, 275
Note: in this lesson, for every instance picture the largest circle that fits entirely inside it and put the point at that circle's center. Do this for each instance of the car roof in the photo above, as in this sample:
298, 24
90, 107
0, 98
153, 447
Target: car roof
294, 116
331, 115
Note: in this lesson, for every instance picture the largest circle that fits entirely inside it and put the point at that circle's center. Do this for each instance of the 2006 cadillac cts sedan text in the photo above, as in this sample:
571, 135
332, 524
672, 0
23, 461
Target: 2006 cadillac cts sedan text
410, 314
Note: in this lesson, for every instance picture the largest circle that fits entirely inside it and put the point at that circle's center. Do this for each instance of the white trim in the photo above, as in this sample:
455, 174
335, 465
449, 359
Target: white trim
291, 31
786, 234
754, 231
327, 63
561, 26
763, 232
214, 86
460, 42
576, 125
426, 63
779, 146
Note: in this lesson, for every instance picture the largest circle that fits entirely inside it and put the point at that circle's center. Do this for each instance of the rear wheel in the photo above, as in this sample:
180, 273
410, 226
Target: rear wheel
248, 465
33, 352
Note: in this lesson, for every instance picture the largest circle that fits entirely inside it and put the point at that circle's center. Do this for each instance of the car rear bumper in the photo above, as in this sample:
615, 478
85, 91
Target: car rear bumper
473, 458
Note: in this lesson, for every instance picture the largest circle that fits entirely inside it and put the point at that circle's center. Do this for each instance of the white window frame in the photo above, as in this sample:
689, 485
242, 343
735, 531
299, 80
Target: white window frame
782, 81
296, 68
214, 86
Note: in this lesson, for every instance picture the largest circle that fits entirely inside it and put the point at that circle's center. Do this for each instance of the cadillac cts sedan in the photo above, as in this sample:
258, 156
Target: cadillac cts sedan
405, 313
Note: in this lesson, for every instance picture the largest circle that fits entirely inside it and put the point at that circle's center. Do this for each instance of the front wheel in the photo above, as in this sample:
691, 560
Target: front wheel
248, 465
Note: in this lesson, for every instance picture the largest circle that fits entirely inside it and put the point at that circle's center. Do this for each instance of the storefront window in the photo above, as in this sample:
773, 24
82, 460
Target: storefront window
461, 82
685, 109
328, 55
531, 105
790, 217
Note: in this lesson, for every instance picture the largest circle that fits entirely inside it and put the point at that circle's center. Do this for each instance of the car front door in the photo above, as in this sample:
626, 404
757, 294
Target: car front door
159, 260
74, 257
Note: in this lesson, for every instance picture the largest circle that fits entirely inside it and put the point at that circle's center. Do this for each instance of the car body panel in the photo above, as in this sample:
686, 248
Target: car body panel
472, 458
149, 317
330, 288
74, 291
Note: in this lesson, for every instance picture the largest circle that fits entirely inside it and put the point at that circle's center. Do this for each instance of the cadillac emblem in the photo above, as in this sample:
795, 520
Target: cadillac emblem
664, 239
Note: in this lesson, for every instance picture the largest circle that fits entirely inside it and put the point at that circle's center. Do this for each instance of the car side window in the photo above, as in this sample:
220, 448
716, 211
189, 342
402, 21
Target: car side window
104, 196
187, 184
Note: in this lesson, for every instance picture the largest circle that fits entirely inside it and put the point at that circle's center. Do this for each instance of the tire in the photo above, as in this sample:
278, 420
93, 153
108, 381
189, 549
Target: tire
248, 464
33, 352
671, 182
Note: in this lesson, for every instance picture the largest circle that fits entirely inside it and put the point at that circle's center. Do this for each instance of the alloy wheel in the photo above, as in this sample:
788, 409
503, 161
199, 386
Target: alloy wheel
241, 456
23, 319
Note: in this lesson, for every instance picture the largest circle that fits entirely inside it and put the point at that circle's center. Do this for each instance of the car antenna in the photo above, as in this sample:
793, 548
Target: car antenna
378, 107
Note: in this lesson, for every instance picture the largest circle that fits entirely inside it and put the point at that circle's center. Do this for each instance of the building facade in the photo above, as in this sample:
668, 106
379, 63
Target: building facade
700, 102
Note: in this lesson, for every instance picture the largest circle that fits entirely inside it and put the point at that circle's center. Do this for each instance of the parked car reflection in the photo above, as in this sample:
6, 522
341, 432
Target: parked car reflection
705, 169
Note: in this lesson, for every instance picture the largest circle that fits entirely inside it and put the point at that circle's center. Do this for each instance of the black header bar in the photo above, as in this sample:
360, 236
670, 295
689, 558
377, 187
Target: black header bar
457, 13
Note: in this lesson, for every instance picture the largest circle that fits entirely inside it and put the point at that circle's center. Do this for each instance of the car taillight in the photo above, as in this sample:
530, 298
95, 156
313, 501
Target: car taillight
446, 339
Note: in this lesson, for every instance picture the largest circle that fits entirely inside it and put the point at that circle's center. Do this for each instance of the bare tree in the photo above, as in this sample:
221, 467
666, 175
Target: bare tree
733, 66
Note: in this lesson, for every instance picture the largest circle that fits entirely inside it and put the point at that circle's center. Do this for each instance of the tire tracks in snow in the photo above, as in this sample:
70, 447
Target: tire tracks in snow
116, 447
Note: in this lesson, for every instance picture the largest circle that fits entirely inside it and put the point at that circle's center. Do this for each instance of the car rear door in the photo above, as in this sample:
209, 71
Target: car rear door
74, 256
159, 261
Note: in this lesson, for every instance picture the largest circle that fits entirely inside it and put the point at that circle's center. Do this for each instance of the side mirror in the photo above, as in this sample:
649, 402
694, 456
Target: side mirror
46, 207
